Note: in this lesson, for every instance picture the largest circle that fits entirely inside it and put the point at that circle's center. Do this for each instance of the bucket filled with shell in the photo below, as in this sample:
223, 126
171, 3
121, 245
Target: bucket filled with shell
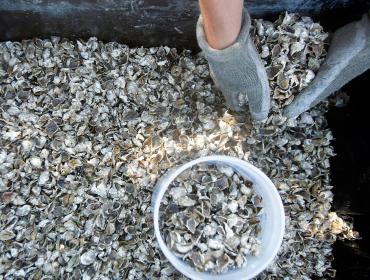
218, 217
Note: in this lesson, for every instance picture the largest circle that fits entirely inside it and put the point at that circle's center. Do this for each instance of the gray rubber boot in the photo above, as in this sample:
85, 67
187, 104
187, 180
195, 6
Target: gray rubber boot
348, 57
238, 71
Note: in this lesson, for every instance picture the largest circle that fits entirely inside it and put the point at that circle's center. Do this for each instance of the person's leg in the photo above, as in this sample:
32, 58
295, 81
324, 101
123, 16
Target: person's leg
222, 21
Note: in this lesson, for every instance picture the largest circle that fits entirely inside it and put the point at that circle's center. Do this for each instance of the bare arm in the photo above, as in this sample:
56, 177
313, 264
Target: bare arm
222, 21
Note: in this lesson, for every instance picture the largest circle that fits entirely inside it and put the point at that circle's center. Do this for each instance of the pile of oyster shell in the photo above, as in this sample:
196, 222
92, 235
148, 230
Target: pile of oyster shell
211, 218
87, 128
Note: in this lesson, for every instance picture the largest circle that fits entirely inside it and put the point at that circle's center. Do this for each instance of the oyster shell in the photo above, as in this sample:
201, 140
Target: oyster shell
104, 113
221, 240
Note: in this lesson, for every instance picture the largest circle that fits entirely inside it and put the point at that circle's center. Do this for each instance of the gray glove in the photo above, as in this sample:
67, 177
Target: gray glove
348, 57
238, 71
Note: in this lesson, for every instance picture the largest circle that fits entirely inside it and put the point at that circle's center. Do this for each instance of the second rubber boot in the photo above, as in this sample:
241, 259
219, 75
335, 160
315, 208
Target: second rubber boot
238, 71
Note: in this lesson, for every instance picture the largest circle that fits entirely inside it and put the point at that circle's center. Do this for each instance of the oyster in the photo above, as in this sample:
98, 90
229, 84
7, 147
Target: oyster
227, 234
87, 128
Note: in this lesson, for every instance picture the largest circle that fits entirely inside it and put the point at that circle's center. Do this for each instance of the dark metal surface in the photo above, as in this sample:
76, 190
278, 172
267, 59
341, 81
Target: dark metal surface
135, 22
350, 176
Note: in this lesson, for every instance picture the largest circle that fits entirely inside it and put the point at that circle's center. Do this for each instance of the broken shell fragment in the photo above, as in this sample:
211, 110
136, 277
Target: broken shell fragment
105, 113
211, 242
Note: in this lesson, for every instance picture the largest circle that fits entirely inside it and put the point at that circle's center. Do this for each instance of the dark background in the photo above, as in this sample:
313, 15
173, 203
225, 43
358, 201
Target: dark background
145, 22
172, 22
350, 175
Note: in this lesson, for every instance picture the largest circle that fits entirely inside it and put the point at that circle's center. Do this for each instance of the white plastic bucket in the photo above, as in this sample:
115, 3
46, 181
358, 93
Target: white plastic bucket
272, 221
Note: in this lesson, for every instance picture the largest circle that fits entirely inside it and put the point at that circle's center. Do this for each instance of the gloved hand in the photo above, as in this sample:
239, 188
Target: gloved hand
238, 71
348, 57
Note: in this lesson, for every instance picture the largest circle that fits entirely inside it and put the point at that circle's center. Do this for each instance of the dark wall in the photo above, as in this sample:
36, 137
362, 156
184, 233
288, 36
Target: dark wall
350, 176
135, 22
